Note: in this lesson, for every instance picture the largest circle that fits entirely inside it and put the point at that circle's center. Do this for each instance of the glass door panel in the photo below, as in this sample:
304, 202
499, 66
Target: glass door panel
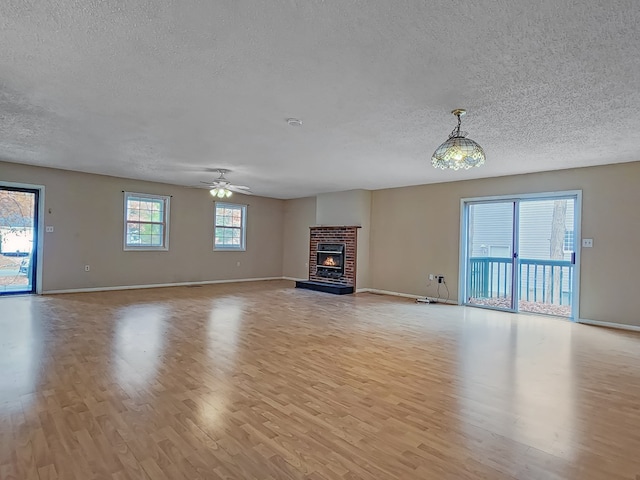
490, 255
18, 240
546, 256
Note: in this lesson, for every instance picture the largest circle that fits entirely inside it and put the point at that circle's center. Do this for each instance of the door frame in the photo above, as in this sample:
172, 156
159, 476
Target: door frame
577, 221
39, 228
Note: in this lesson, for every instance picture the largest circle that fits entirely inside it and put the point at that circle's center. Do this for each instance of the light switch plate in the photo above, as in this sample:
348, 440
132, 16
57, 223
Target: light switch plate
587, 242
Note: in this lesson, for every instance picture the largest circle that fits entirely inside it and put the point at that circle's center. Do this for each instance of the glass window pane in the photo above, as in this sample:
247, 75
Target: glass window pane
228, 226
133, 214
145, 221
133, 234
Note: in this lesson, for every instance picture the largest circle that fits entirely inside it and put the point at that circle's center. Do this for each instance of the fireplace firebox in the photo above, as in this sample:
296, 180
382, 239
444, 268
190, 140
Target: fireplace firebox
330, 260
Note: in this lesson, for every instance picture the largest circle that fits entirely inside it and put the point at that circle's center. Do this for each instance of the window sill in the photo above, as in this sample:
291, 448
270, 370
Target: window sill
146, 249
227, 249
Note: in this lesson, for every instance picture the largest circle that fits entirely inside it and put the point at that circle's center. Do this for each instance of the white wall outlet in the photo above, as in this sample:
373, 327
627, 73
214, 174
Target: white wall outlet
237, 264
431, 276
48, 229
587, 242
87, 268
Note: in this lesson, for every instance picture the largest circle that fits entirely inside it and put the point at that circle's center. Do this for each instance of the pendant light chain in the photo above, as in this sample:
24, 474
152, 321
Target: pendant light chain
456, 131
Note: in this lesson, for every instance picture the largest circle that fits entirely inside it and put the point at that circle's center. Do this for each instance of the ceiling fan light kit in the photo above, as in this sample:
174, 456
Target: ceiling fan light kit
223, 188
458, 151
220, 192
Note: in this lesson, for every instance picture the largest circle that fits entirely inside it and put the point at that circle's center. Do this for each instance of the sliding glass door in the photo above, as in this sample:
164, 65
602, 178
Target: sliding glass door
18, 240
520, 253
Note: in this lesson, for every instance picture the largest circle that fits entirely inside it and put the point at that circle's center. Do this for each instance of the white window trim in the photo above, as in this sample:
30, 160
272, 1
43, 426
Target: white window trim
243, 229
142, 248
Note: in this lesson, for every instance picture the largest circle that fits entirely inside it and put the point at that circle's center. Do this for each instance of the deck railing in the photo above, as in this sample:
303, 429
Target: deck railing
546, 281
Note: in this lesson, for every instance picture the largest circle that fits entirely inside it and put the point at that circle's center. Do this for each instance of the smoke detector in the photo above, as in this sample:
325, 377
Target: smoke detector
294, 122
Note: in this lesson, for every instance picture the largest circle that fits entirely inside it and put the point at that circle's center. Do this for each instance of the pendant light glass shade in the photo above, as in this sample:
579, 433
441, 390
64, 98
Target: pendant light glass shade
458, 151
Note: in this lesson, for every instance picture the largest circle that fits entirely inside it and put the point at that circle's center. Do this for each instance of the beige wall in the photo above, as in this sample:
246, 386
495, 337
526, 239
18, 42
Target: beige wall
352, 207
87, 214
427, 219
86, 211
299, 215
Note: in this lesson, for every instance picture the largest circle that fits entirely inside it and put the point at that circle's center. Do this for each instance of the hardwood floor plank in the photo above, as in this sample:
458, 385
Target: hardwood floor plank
268, 382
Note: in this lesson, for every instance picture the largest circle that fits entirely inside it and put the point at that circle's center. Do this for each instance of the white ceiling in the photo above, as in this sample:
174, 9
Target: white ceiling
167, 90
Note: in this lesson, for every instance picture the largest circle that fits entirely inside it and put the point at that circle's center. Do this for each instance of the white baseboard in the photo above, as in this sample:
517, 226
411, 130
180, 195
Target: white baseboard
293, 279
620, 326
406, 295
156, 285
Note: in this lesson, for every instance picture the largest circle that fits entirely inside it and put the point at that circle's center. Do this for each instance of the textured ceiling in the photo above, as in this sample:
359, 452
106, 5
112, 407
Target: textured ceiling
167, 90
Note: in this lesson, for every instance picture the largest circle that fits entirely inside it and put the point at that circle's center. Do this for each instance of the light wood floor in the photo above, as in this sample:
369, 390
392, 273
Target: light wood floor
260, 380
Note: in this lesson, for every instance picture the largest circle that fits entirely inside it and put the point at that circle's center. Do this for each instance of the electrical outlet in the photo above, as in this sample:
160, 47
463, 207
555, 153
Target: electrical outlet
237, 264
87, 268
587, 242
49, 229
431, 276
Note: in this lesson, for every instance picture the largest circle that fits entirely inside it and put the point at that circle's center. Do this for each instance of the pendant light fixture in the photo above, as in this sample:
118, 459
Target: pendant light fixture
458, 151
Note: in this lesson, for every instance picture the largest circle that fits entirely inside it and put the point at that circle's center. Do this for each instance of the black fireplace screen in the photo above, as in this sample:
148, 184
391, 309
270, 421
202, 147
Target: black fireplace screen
330, 259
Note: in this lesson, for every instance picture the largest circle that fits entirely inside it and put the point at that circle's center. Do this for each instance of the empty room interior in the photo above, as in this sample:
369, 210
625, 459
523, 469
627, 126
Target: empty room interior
323, 240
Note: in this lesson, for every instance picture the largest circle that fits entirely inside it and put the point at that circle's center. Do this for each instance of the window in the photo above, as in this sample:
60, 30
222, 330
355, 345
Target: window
146, 222
229, 224
567, 245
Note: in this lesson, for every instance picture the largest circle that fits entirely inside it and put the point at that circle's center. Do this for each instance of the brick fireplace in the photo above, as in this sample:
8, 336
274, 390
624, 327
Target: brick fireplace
330, 238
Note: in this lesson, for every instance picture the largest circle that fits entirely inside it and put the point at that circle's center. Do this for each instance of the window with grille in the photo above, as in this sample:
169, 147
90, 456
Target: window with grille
146, 221
229, 226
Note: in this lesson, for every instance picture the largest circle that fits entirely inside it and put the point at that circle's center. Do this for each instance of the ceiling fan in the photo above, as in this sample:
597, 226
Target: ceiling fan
221, 187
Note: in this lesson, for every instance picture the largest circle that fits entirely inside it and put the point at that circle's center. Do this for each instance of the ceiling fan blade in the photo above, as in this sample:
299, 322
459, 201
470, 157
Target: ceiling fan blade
235, 188
240, 187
